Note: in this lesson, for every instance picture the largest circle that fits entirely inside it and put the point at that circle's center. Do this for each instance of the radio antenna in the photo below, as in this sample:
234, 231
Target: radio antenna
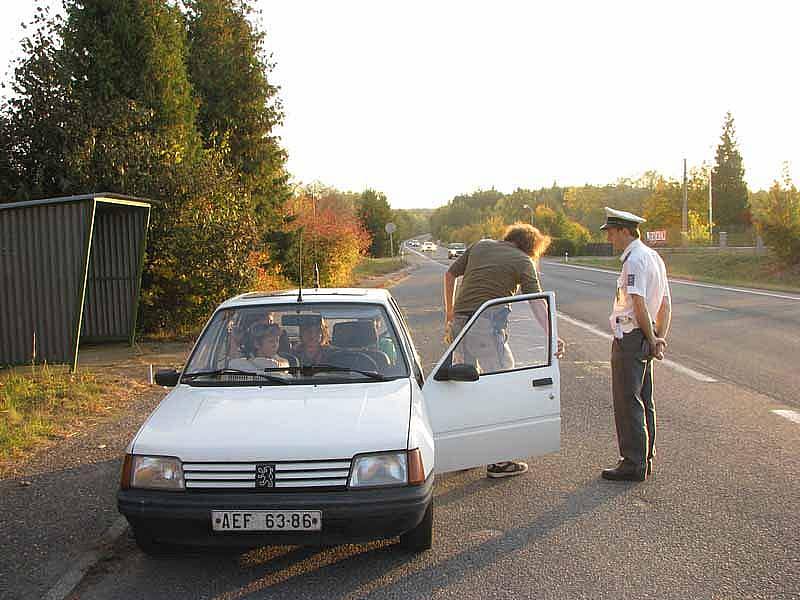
300, 258
316, 234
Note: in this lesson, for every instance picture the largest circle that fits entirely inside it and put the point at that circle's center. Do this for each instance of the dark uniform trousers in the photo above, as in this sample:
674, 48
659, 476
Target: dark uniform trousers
632, 387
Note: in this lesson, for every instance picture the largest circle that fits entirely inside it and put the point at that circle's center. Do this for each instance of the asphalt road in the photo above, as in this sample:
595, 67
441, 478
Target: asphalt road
719, 518
752, 339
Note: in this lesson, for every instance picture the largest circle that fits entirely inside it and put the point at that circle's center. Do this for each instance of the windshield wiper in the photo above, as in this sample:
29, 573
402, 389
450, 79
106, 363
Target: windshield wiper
229, 371
322, 368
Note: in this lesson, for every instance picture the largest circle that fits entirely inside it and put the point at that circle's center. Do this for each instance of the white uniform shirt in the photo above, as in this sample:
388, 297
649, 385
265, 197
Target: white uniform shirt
644, 274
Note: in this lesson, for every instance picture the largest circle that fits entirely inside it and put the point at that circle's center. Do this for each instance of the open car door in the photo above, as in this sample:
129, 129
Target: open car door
495, 394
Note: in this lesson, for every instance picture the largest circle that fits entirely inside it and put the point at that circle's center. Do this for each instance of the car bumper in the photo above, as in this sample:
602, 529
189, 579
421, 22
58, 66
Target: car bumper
347, 516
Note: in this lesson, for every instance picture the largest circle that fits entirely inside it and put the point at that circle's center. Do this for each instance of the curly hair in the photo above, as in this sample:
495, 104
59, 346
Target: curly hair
527, 238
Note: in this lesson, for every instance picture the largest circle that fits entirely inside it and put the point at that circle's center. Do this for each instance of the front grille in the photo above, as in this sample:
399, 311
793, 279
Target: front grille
288, 475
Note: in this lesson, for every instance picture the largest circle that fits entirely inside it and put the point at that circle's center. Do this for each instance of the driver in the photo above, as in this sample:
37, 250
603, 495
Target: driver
314, 345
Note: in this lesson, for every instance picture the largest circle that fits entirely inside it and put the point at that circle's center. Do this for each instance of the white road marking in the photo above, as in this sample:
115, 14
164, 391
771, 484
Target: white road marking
672, 364
792, 415
685, 282
586, 282
709, 307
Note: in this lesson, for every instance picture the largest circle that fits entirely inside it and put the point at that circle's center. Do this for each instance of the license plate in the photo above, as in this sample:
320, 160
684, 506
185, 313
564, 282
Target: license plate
266, 520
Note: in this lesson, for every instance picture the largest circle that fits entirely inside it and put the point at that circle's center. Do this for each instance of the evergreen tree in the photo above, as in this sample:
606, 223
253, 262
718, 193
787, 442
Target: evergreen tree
239, 107
375, 213
34, 119
116, 113
132, 52
729, 192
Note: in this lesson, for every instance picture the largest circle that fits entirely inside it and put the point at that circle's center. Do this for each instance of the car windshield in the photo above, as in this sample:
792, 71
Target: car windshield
297, 343
457, 246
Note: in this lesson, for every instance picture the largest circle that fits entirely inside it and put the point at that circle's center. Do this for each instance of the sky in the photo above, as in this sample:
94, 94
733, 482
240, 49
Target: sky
427, 100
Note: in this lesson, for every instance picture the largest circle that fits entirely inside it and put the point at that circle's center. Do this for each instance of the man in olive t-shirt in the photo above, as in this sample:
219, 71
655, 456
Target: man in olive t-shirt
495, 269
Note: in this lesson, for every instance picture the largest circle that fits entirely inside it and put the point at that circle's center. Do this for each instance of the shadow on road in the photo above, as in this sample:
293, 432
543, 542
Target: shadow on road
443, 574
382, 570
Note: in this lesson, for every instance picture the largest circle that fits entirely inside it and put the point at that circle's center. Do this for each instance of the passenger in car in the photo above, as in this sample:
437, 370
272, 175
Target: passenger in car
314, 345
265, 356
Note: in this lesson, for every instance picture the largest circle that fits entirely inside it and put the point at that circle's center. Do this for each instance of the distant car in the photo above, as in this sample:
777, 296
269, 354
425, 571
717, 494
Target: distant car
337, 448
428, 246
413, 243
455, 250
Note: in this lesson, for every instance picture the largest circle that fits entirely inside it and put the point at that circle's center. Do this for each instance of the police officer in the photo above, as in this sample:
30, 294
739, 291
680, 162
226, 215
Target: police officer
640, 320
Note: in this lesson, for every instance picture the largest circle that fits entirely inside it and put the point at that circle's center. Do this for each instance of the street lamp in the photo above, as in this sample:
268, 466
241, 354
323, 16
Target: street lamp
531, 209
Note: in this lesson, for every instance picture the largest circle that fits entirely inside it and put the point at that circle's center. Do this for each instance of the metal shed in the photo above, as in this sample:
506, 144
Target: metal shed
70, 271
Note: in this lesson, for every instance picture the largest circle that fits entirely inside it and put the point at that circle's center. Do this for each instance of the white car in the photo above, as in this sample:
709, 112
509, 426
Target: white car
323, 430
428, 247
413, 243
455, 250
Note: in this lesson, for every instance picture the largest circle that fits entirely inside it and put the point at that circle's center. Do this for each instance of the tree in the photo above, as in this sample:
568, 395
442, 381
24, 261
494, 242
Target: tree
103, 102
33, 120
238, 105
729, 192
375, 213
330, 234
409, 223
779, 219
134, 51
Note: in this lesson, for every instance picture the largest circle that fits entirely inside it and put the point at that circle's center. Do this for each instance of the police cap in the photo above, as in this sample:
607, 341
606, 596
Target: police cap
620, 218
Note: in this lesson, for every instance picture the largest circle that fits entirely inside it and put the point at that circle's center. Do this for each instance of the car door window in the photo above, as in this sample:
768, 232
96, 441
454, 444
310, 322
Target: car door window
507, 337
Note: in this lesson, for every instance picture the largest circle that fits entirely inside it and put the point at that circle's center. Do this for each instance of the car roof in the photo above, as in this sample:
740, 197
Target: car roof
333, 295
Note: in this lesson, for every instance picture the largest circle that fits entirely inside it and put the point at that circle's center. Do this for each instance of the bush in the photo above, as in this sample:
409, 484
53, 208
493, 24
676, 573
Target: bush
780, 222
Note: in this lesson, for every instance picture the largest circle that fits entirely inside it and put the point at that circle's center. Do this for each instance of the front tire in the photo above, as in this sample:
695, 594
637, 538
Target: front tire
420, 538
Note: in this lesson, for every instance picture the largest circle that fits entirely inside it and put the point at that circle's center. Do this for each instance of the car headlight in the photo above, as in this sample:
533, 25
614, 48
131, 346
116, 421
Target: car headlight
152, 472
388, 468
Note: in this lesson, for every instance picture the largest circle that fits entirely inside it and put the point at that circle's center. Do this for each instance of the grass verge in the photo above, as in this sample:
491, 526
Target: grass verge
373, 267
726, 268
42, 402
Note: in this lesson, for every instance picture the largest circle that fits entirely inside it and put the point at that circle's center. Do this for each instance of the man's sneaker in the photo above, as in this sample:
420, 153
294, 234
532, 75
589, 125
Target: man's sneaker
506, 469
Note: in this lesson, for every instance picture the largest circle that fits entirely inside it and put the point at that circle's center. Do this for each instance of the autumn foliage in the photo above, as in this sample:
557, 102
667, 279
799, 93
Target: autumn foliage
331, 235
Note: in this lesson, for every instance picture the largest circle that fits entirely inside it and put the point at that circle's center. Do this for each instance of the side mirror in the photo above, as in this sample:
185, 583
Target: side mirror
458, 372
167, 377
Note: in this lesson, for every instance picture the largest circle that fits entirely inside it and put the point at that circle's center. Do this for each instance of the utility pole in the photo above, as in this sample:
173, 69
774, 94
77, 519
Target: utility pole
710, 209
685, 212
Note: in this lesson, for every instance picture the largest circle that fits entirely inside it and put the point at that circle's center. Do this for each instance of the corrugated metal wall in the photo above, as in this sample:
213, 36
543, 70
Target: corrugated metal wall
42, 252
113, 272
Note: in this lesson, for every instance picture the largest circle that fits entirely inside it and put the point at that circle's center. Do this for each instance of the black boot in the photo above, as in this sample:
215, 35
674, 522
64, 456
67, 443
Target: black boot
625, 471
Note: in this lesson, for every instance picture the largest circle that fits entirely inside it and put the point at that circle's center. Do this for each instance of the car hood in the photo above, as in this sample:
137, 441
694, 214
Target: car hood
299, 422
